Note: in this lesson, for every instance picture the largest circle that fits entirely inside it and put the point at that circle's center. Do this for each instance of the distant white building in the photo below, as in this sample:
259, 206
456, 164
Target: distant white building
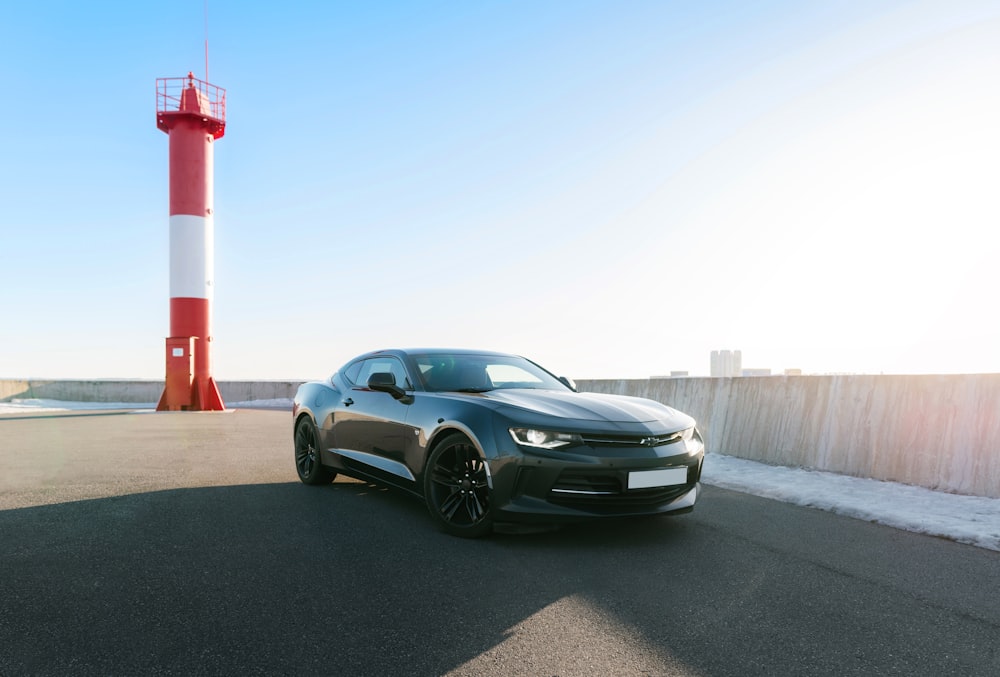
757, 372
727, 363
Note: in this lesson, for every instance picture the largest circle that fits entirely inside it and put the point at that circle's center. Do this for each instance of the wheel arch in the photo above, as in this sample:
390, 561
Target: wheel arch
300, 416
451, 427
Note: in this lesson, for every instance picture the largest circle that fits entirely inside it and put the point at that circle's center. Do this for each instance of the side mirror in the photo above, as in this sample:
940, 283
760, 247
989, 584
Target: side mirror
568, 382
385, 382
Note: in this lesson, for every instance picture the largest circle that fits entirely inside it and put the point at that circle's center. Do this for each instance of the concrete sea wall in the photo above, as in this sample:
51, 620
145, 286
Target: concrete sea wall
940, 432
139, 392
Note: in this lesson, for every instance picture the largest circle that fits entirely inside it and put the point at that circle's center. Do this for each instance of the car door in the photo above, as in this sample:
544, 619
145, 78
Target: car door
370, 426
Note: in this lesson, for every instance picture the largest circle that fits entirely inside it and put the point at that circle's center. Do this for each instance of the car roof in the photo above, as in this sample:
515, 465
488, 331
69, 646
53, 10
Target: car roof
433, 351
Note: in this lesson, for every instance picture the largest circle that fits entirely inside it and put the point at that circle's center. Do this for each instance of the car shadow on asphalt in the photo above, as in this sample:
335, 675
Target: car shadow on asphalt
354, 579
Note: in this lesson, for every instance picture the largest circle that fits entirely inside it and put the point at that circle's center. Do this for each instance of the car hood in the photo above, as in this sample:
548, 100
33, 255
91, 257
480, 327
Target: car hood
590, 407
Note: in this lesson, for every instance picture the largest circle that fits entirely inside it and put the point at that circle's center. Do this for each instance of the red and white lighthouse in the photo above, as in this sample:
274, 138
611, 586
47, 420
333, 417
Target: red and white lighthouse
193, 114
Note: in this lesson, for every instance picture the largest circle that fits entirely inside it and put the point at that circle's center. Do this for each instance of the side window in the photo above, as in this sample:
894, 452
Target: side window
377, 365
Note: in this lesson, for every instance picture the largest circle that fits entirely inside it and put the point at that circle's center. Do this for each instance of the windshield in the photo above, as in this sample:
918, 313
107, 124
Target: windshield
480, 373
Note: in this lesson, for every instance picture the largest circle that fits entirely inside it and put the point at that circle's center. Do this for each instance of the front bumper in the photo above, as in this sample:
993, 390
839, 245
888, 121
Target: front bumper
539, 489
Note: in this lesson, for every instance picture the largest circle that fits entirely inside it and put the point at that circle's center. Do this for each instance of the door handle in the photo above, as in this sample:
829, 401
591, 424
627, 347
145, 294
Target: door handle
348, 402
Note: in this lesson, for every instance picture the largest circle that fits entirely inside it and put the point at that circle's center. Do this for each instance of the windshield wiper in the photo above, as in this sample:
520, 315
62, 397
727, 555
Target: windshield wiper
472, 390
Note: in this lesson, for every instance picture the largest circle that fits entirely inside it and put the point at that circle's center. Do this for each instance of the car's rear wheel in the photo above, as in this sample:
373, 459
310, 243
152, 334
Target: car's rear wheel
307, 457
456, 488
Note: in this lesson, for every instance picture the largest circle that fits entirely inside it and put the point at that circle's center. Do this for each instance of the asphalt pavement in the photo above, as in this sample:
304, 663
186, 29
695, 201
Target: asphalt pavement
183, 543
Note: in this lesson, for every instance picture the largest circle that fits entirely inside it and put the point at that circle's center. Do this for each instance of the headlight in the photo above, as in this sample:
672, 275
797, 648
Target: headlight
692, 441
544, 439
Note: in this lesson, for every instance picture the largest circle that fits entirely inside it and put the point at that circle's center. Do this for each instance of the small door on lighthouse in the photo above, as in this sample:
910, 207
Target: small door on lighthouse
180, 371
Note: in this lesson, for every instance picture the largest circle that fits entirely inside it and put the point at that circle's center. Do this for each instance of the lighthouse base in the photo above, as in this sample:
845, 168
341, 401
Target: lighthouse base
184, 389
203, 395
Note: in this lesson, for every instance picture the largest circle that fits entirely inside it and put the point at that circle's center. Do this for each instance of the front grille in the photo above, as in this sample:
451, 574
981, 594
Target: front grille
588, 483
601, 440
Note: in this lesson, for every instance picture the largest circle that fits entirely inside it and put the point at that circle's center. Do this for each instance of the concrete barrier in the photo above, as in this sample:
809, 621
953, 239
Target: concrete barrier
940, 432
138, 392
937, 431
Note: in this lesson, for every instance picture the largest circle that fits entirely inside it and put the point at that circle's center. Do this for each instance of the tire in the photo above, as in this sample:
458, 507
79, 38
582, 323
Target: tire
307, 456
456, 488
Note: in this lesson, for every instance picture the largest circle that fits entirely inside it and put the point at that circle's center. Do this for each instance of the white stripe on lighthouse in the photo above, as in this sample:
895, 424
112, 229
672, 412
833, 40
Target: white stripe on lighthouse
191, 255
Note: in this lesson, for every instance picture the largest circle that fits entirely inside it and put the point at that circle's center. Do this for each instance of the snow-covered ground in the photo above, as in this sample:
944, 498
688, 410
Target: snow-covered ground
28, 407
966, 519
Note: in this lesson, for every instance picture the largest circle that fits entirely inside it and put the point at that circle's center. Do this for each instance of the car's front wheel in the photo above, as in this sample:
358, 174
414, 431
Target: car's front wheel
456, 488
307, 457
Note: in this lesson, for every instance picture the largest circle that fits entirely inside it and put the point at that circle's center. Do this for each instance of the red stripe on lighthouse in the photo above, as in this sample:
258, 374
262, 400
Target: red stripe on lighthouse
191, 168
191, 317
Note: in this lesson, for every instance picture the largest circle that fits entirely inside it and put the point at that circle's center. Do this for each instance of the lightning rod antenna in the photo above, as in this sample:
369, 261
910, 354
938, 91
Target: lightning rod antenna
206, 42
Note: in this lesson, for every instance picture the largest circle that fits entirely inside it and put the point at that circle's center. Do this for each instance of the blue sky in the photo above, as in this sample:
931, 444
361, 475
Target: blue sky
613, 189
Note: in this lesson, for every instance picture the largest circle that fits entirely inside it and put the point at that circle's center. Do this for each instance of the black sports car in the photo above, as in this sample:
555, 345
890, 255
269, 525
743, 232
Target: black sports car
488, 438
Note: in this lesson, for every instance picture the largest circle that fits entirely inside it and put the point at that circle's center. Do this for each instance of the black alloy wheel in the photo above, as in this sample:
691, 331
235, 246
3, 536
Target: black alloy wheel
456, 488
307, 461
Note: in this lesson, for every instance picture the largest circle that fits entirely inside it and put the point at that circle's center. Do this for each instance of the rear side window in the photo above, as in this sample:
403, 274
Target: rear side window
351, 373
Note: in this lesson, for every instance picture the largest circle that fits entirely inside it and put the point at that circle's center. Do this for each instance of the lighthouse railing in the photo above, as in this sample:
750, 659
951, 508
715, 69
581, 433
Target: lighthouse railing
169, 91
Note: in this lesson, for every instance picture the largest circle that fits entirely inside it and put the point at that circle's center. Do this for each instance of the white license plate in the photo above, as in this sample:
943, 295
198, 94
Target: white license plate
667, 477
